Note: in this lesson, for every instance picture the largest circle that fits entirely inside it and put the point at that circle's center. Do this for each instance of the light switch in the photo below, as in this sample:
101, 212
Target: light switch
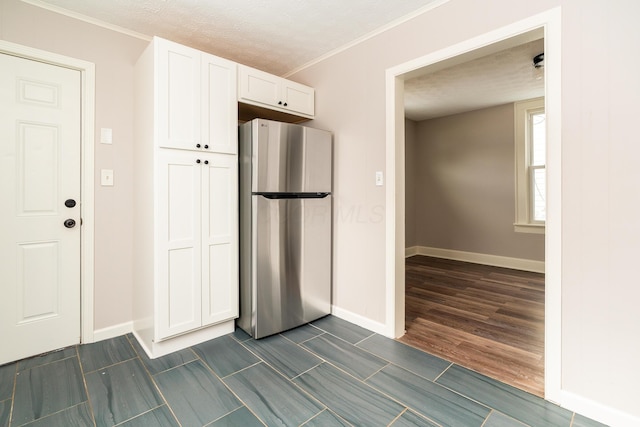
106, 135
379, 179
106, 177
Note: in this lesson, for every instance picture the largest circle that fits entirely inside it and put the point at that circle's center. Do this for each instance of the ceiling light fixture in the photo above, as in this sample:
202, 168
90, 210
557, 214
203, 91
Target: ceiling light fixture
538, 60
538, 66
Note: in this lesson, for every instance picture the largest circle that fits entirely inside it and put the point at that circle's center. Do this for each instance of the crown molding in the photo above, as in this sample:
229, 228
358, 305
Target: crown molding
87, 19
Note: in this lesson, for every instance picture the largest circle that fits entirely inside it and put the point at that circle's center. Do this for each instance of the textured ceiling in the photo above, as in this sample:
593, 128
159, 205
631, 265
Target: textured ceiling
502, 77
281, 36
276, 36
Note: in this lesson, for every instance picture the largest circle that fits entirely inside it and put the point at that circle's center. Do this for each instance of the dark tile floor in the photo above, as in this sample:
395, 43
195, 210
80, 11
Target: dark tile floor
329, 373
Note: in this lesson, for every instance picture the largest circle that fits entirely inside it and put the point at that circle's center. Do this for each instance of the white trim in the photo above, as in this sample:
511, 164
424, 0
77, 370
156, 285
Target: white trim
180, 342
432, 5
478, 258
597, 411
550, 21
112, 331
88, 73
522, 111
87, 19
529, 228
411, 251
356, 319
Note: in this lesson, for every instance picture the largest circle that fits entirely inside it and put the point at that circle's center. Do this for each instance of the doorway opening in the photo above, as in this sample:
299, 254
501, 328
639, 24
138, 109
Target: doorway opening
516, 34
474, 282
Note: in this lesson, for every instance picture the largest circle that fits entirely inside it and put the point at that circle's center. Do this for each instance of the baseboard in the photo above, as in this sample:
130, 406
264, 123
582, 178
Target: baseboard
112, 331
493, 260
597, 411
411, 251
357, 319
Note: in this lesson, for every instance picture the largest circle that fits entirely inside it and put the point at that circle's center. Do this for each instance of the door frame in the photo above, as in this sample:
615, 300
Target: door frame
87, 123
550, 22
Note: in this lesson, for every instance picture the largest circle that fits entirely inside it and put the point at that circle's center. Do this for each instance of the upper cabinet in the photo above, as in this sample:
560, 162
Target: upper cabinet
197, 107
263, 89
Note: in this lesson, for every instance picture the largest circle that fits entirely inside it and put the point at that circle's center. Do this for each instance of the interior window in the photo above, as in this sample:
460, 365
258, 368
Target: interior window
530, 148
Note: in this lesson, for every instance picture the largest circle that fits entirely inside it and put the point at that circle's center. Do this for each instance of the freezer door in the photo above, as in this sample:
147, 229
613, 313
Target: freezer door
292, 256
290, 158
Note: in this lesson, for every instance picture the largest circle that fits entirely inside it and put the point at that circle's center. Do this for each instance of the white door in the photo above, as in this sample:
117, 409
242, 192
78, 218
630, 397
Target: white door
39, 172
178, 242
219, 104
178, 89
220, 238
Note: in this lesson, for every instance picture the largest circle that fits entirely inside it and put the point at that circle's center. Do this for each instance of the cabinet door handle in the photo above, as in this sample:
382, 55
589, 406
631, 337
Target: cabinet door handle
206, 146
197, 145
285, 104
198, 161
206, 162
279, 102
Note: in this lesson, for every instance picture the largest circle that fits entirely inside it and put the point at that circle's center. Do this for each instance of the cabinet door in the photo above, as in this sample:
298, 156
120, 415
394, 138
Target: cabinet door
178, 91
258, 86
220, 239
219, 104
298, 97
178, 236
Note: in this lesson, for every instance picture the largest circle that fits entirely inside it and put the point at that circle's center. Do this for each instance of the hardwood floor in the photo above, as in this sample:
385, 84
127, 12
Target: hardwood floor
487, 319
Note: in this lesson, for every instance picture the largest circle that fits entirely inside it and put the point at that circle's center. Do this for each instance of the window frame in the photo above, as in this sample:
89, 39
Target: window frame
524, 221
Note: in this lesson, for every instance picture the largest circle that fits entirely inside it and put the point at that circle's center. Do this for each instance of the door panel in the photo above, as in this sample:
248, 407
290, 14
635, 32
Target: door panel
39, 170
38, 284
219, 104
298, 97
290, 158
220, 249
258, 86
37, 165
178, 244
293, 262
178, 96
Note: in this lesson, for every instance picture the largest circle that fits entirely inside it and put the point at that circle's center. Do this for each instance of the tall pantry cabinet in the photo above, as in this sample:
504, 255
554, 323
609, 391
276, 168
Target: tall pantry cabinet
185, 198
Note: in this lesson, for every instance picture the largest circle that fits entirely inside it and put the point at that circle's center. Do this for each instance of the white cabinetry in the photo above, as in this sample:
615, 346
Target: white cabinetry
197, 107
185, 198
197, 196
259, 88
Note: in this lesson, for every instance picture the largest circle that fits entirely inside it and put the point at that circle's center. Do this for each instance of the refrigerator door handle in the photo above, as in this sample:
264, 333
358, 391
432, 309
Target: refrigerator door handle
277, 196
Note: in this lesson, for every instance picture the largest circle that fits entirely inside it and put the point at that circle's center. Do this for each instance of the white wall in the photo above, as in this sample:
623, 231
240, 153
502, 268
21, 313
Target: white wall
600, 197
463, 179
114, 55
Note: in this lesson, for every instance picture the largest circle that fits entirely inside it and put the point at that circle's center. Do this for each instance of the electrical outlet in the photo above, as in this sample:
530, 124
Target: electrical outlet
106, 177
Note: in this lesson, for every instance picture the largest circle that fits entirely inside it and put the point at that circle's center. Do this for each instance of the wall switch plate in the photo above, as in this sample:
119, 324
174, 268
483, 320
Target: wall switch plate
106, 177
379, 179
106, 136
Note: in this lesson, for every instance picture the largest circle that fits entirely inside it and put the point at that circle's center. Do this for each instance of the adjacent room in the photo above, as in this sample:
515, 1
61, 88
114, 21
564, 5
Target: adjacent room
474, 274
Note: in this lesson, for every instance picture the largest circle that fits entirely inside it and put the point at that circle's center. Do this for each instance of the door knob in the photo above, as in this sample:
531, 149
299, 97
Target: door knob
69, 223
69, 203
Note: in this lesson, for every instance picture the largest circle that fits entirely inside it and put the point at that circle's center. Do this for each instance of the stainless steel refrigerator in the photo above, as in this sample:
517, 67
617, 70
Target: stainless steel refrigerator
285, 226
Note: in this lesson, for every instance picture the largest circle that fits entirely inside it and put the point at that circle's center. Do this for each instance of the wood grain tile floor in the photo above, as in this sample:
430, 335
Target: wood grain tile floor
487, 319
328, 373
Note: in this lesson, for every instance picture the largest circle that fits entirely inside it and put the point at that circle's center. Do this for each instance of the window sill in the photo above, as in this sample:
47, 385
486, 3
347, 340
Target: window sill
529, 228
